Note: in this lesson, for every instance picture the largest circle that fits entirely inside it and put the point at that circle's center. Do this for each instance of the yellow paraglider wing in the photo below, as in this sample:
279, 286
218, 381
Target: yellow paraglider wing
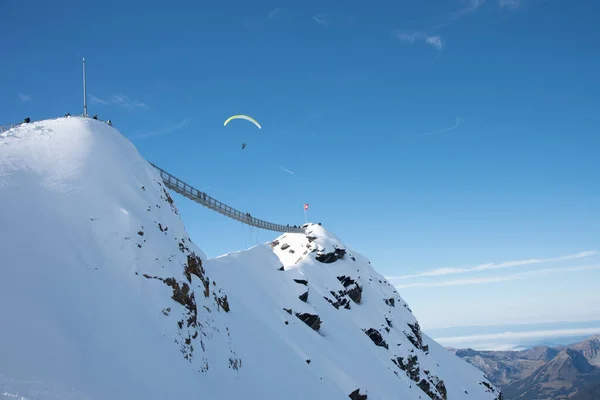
242, 116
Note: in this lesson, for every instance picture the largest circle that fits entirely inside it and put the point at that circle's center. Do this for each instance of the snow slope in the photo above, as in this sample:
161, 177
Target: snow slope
105, 296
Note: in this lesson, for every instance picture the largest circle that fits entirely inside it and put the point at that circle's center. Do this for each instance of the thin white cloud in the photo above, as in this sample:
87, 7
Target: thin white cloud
164, 131
434, 41
459, 282
286, 170
407, 37
321, 19
120, 100
489, 266
456, 125
512, 4
126, 102
459, 340
274, 13
495, 279
24, 97
97, 100
412, 37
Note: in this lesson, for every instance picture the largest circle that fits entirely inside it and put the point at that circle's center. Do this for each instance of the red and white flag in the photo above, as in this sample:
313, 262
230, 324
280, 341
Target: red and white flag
305, 207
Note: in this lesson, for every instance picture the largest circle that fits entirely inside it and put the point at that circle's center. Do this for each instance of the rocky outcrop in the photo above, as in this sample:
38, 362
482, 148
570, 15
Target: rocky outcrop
304, 297
415, 336
357, 396
329, 258
312, 320
433, 386
353, 289
184, 296
376, 337
411, 367
341, 301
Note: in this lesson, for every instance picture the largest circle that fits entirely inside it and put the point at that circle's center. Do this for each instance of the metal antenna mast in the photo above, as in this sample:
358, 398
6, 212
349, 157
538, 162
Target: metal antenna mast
85, 114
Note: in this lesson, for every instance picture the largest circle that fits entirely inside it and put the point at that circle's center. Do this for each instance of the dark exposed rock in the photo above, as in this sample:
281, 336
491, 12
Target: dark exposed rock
311, 238
308, 361
427, 388
434, 387
391, 302
312, 320
376, 337
184, 296
328, 258
274, 243
222, 302
389, 323
357, 396
141, 233
353, 258
415, 338
341, 300
411, 367
355, 293
235, 363
346, 280
353, 289
288, 310
168, 196
280, 268
441, 388
304, 297
194, 267
301, 281
284, 246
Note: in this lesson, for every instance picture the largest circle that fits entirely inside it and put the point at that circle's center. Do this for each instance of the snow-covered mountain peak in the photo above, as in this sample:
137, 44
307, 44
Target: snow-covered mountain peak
110, 298
340, 288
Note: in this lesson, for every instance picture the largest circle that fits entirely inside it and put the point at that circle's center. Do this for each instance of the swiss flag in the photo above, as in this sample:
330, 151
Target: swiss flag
305, 207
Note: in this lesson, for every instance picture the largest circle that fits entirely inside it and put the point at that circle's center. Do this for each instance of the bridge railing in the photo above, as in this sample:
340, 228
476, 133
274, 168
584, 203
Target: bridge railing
194, 194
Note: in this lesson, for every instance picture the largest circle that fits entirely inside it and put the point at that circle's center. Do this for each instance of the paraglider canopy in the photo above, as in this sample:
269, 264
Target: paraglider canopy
242, 116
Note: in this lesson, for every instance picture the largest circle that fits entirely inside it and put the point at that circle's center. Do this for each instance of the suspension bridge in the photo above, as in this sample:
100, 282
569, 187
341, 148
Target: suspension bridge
179, 186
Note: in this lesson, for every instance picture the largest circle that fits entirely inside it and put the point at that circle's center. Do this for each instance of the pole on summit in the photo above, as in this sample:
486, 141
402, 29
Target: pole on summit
305, 208
85, 114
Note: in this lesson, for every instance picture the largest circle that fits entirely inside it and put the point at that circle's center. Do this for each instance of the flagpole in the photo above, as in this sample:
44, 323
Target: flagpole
85, 114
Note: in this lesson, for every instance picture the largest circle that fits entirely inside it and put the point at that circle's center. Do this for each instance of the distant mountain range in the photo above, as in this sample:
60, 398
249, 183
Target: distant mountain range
542, 373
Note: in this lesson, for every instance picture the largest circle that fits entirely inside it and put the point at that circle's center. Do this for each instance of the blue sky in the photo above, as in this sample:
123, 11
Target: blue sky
426, 135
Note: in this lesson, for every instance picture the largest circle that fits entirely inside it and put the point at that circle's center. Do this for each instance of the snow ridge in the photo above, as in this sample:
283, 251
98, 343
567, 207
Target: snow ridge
106, 296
